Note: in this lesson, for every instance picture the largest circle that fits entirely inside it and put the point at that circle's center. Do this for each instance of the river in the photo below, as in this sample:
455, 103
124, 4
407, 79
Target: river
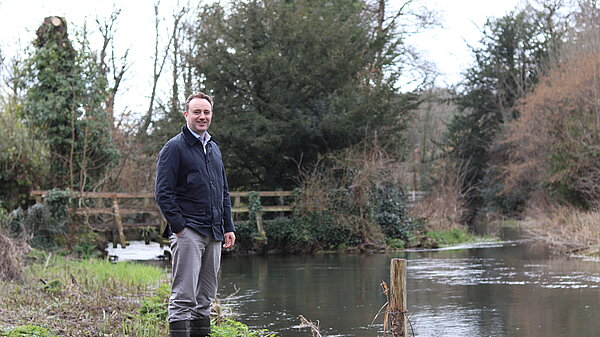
515, 287
508, 288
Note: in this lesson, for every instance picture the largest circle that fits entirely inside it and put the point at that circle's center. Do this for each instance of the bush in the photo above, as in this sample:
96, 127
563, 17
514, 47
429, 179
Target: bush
9, 260
290, 235
21, 159
389, 211
304, 234
45, 223
329, 233
38, 223
89, 244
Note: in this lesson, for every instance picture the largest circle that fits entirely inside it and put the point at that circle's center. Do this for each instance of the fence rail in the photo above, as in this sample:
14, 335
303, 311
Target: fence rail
116, 209
149, 208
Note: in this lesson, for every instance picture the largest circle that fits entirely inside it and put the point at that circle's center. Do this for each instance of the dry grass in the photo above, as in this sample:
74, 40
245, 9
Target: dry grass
10, 264
444, 207
566, 228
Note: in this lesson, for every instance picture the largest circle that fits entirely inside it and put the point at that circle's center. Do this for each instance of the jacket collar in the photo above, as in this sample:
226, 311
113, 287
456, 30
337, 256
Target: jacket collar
189, 137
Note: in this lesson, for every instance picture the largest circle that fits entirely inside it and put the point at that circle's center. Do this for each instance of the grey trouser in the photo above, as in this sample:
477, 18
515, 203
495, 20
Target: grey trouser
196, 262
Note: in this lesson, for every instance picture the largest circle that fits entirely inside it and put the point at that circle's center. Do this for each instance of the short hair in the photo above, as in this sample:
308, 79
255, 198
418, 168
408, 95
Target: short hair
197, 95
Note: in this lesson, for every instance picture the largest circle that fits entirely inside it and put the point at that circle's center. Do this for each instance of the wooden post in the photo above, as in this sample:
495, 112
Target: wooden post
237, 202
113, 237
161, 229
416, 174
118, 222
260, 226
281, 203
145, 215
396, 311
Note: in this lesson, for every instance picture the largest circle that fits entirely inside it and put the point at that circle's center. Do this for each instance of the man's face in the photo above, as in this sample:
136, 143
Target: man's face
198, 115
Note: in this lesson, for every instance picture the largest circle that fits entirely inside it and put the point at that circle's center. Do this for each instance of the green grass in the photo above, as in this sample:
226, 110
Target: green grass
27, 331
454, 237
510, 223
231, 328
99, 275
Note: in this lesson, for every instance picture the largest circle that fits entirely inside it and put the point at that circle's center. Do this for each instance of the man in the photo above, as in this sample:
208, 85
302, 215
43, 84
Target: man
192, 194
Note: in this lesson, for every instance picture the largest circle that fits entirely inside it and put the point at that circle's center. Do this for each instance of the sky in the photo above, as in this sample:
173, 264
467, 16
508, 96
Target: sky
446, 46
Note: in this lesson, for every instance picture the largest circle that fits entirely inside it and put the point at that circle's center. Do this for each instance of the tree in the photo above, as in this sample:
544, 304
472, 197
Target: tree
293, 80
21, 154
554, 143
515, 52
65, 93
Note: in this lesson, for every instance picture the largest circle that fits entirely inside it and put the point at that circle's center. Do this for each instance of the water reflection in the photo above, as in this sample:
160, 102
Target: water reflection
509, 289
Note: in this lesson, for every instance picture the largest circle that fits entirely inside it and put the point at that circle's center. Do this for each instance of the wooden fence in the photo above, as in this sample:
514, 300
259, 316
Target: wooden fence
116, 205
120, 204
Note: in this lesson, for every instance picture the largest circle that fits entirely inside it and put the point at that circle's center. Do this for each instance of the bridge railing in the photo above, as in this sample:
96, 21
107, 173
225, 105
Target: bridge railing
98, 205
120, 204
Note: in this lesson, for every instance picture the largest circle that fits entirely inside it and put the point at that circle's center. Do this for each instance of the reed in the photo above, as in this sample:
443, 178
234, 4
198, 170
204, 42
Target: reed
566, 228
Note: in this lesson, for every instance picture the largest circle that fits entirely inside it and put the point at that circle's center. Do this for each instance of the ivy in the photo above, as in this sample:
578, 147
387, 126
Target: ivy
65, 92
254, 204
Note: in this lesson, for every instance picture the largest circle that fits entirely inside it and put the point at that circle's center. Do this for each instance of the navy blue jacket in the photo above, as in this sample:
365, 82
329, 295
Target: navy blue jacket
191, 187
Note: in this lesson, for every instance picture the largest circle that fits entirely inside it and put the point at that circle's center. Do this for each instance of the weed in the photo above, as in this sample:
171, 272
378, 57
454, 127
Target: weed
231, 328
28, 331
54, 286
155, 307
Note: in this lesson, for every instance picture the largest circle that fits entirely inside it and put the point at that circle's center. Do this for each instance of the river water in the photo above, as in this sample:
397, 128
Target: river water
508, 288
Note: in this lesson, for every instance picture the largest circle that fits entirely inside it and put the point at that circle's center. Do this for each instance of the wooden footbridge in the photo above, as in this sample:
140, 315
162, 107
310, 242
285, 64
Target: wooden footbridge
117, 212
106, 211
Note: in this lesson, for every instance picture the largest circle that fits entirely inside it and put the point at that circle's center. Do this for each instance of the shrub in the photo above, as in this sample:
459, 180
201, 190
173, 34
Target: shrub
328, 232
389, 211
45, 223
89, 244
290, 235
304, 234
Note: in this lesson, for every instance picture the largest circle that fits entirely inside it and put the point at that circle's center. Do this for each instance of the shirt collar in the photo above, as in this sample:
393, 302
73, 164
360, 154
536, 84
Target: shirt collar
204, 140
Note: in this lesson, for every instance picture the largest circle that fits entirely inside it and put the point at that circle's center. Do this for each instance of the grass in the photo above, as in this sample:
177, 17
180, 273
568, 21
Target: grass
60, 296
28, 331
100, 275
453, 237
78, 297
567, 229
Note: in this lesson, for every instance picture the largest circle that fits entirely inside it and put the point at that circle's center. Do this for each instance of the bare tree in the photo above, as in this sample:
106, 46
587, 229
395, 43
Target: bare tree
108, 63
159, 62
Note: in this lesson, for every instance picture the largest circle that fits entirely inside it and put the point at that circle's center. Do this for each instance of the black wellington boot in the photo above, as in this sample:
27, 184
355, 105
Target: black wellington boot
200, 327
179, 329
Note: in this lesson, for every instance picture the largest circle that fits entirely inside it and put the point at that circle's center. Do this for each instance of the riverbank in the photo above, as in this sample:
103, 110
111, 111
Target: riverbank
567, 230
59, 296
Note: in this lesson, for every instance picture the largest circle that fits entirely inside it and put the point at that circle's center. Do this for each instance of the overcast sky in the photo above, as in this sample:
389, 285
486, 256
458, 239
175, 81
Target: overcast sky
446, 46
